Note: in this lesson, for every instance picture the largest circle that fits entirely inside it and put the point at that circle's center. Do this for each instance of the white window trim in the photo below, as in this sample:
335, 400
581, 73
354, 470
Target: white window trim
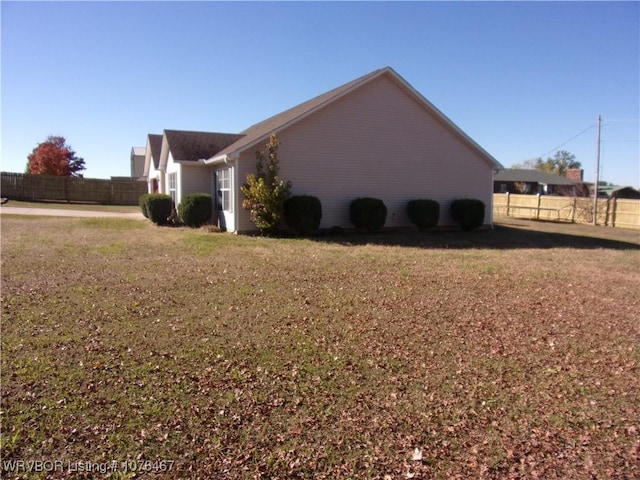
172, 177
225, 185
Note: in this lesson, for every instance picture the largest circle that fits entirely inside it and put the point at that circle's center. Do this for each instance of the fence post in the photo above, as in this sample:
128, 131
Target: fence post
538, 207
508, 198
611, 207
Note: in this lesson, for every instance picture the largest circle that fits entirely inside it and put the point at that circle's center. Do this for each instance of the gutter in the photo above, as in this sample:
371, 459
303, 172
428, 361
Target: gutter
228, 158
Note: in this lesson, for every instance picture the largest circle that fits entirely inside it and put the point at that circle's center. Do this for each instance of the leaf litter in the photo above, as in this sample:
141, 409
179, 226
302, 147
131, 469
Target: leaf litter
272, 358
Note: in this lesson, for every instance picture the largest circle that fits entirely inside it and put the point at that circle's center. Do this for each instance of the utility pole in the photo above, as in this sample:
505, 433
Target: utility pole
595, 187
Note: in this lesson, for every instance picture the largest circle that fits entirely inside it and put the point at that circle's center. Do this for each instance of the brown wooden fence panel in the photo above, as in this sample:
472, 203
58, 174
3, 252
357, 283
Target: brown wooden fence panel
626, 214
125, 191
118, 190
90, 190
11, 185
44, 187
611, 212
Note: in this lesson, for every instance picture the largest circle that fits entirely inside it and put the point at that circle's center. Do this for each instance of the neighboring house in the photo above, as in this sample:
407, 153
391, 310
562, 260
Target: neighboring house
617, 191
181, 168
137, 162
152, 163
525, 181
375, 136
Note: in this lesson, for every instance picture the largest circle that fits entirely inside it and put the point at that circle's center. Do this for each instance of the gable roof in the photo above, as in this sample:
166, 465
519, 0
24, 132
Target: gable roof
531, 176
193, 146
260, 131
138, 151
152, 153
613, 190
155, 147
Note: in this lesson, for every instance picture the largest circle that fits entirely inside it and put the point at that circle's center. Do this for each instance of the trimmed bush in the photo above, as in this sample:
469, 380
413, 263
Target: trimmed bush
303, 213
195, 209
368, 213
142, 201
424, 214
468, 212
159, 206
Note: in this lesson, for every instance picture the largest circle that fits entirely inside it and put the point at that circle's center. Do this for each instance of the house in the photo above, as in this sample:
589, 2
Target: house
617, 191
374, 136
137, 161
152, 163
526, 181
178, 158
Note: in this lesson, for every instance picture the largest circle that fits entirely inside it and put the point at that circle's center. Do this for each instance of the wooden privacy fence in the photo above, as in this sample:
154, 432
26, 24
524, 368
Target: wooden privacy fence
611, 212
117, 191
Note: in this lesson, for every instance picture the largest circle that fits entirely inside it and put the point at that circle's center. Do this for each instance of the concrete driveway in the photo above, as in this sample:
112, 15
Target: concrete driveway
55, 212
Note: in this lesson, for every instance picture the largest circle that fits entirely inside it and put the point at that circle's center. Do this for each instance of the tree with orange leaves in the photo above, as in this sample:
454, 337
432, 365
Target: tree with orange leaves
55, 157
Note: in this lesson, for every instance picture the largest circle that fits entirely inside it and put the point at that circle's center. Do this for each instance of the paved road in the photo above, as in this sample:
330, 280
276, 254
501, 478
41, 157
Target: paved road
53, 212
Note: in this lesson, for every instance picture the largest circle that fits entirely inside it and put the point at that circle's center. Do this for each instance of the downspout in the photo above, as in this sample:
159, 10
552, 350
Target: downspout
162, 187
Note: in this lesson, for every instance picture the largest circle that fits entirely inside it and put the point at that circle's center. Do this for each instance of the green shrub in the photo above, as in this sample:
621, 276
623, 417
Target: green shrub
159, 206
303, 213
368, 213
195, 209
336, 231
424, 214
142, 201
468, 212
264, 192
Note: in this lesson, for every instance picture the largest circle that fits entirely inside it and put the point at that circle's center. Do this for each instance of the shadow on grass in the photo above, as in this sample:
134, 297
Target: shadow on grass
501, 237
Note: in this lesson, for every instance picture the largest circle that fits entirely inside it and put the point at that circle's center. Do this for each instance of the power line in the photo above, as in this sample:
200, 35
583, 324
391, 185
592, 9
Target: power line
621, 120
568, 141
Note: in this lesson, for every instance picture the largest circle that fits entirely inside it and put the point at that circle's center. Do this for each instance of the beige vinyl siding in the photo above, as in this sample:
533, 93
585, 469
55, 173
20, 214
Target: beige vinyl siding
378, 141
194, 179
190, 178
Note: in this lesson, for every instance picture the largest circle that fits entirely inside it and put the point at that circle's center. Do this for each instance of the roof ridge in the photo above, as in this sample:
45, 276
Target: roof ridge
196, 145
258, 131
173, 130
318, 99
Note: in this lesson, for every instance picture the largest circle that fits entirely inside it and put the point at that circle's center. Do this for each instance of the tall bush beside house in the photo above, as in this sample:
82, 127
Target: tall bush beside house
368, 213
468, 213
195, 209
159, 206
303, 213
424, 214
264, 192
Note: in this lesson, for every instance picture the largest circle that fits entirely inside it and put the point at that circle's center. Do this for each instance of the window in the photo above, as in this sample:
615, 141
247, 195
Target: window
173, 185
225, 198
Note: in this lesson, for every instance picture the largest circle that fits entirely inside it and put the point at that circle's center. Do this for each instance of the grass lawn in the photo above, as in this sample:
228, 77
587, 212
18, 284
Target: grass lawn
76, 206
512, 353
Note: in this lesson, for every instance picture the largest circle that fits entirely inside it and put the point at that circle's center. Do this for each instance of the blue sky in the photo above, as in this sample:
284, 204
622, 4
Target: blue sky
520, 78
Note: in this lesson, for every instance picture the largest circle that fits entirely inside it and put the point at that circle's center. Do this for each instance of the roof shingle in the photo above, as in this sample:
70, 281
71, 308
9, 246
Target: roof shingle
155, 147
531, 176
193, 146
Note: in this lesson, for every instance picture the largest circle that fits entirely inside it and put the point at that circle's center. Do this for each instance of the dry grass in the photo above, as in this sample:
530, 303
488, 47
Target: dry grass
511, 353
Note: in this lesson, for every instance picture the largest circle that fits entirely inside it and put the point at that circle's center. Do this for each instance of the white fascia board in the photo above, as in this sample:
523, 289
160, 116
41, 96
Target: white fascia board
164, 154
201, 161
